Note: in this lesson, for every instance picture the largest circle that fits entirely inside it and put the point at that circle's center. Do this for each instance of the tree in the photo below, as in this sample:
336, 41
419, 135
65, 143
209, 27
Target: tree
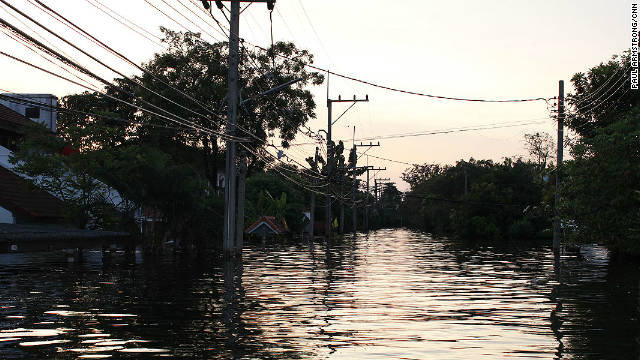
599, 98
498, 200
601, 186
65, 174
599, 197
173, 166
541, 148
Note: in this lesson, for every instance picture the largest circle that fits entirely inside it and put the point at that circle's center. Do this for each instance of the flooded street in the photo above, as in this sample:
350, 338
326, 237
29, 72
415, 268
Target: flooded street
394, 294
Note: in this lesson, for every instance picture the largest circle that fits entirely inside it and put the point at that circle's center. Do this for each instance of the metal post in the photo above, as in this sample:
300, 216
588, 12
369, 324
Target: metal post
232, 114
557, 227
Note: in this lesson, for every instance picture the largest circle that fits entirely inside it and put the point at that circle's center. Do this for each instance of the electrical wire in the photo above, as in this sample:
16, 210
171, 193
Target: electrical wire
393, 89
107, 95
391, 160
189, 20
593, 93
147, 35
87, 35
45, 106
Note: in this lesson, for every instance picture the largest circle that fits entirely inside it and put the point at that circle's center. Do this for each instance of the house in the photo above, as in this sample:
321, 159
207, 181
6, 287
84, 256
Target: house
40, 108
11, 130
266, 226
21, 202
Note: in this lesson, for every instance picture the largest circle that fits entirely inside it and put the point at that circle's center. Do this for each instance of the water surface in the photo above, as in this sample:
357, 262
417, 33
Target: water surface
392, 294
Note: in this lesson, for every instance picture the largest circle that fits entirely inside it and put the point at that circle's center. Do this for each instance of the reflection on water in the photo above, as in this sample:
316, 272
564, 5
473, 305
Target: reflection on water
391, 294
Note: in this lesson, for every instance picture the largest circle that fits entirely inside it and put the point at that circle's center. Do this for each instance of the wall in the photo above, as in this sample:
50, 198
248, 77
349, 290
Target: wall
6, 216
46, 116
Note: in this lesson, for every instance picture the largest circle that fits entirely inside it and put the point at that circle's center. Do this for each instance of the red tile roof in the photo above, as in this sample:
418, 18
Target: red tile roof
12, 121
22, 198
270, 222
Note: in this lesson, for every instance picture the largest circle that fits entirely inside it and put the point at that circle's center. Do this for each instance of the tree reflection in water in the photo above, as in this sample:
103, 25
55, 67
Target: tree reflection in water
389, 294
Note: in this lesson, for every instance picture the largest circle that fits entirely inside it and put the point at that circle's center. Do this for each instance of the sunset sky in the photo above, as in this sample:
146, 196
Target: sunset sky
472, 49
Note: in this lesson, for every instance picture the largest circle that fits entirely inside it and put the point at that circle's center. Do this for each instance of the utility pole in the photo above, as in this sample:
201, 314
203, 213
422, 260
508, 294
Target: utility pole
557, 227
466, 182
355, 168
313, 196
230, 221
366, 208
354, 185
242, 180
376, 183
232, 116
330, 122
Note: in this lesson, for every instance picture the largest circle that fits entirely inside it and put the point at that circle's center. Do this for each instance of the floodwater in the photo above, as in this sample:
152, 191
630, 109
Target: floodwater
392, 294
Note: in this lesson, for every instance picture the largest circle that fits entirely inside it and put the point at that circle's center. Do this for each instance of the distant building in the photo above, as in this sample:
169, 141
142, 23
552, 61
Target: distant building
266, 226
40, 108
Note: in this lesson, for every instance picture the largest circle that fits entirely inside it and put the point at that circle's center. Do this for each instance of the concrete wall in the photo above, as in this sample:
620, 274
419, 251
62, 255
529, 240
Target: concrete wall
6, 216
4, 157
47, 116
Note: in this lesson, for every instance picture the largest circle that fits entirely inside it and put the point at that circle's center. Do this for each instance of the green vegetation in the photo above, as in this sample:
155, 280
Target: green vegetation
600, 195
478, 199
173, 168
169, 167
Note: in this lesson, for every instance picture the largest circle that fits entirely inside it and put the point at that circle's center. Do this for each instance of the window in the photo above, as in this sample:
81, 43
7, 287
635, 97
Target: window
32, 112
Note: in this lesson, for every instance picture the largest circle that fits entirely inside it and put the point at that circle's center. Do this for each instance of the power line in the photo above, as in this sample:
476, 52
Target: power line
408, 92
389, 88
445, 131
189, 20
84, 33
109, 96
45, 106
593, 93
390, 160
87, 35
147, 35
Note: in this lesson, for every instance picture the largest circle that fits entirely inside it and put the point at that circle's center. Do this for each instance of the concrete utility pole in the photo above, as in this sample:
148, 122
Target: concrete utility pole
232, 116
330, 154
557, 227
230, 222
376, 183
366, 208
242, 180
341, 228
313, 197
355, 183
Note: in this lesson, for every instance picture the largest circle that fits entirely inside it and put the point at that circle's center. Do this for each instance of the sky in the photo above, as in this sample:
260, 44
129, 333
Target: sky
476, 49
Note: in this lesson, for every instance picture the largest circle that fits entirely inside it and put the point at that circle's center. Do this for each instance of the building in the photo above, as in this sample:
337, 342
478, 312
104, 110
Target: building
266, 226
11, 130
20, 202
40, 108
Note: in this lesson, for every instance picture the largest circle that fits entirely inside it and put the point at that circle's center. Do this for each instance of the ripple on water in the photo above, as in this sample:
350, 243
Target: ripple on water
389, 294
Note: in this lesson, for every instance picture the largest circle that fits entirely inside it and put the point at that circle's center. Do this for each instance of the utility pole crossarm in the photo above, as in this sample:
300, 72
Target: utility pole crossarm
370, 144
330, 153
